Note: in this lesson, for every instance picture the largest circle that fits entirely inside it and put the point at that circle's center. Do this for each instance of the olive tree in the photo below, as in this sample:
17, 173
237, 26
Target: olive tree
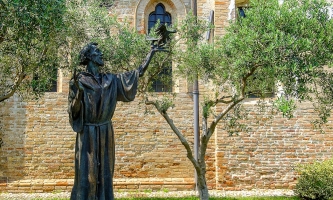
39, 37
29, 42
288, 44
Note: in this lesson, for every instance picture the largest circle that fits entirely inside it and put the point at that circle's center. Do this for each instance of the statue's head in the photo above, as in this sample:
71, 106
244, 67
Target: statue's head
90, 52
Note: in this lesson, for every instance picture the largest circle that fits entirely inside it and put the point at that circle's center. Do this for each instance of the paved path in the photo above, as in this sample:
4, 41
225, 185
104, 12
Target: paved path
26, 196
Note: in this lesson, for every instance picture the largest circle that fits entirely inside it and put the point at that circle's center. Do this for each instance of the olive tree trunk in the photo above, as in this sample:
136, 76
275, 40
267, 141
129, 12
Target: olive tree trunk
207, 132
202, 187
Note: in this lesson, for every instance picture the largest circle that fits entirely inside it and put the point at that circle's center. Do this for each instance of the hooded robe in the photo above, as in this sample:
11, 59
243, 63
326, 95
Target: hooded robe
95, 148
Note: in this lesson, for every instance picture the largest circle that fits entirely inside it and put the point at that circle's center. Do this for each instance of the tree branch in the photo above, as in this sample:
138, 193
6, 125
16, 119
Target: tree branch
244, 79
177, 132
221, 100
232, 103
14, 88
207, 133
221, 115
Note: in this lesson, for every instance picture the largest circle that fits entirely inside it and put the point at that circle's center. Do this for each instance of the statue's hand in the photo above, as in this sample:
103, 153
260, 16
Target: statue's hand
76, 81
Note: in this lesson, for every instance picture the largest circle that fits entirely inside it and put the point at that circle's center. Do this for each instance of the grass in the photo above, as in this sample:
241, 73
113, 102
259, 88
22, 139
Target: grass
216, 198
195, 198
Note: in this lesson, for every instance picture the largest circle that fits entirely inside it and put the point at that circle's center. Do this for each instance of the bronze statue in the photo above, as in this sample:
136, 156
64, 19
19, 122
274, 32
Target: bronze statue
92, 102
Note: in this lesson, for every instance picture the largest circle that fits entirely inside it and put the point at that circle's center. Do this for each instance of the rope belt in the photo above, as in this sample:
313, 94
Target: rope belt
99, 124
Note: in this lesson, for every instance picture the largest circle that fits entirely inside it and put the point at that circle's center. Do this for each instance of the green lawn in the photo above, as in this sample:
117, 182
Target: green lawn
195, 198
215, 198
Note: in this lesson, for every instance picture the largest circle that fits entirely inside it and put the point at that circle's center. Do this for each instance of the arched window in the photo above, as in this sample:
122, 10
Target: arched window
164, 18
159, 14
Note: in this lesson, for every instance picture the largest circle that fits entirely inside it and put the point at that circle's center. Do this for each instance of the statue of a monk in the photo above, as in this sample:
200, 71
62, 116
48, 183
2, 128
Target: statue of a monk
92, 102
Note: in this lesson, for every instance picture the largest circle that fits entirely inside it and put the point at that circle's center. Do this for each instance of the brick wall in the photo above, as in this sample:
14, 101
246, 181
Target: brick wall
38, 150
266, 155
148, 149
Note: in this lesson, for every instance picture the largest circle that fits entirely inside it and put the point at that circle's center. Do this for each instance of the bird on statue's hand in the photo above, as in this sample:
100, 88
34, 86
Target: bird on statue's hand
163, 35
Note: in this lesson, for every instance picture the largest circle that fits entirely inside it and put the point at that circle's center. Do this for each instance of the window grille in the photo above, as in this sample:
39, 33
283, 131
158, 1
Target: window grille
163, 17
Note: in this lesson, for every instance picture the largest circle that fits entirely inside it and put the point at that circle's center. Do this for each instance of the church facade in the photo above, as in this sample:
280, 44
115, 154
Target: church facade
37, 154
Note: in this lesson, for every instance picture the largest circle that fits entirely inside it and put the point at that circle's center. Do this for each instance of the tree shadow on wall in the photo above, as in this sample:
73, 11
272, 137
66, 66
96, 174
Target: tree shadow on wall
12, 140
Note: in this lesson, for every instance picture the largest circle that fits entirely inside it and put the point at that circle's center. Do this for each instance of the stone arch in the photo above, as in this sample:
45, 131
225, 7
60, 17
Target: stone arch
144, 7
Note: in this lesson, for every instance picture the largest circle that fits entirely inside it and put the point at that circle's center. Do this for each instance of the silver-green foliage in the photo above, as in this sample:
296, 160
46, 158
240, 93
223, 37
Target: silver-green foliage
193, 55
315, 180
38, 37
29, 39
289, 44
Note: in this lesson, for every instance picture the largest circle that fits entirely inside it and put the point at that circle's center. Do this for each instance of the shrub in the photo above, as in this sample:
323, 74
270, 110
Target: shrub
315, 180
